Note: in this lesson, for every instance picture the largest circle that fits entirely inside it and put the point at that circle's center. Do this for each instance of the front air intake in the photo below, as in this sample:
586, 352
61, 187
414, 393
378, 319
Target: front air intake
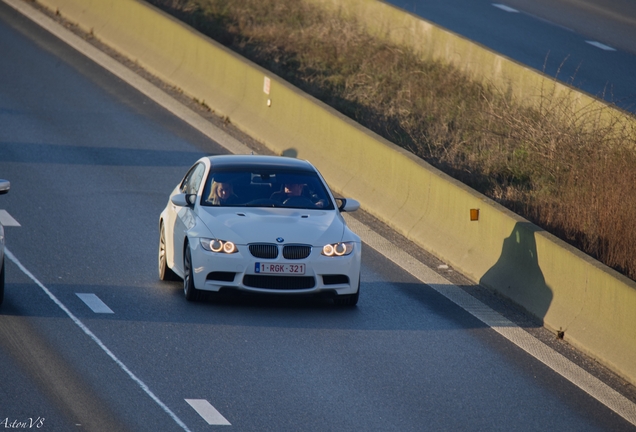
280, 283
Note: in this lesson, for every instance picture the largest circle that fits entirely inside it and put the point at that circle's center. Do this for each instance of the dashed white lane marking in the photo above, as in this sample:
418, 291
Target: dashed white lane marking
601, 46
505, 8
537, 349
95, 339
94, 302
7, 220
208, 412
512, 10
594, 43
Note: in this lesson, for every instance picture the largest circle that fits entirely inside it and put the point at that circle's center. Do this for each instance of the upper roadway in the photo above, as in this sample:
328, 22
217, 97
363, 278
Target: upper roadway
590, 44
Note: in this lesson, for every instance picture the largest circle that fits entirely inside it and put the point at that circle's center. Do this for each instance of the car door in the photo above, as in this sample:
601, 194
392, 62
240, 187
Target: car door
185, 216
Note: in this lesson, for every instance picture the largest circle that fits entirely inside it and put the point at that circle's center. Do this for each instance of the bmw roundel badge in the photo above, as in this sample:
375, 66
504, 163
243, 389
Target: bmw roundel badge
280, 239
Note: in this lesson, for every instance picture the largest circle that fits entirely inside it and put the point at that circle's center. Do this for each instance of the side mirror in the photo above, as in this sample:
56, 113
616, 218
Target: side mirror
184, 200
5, 185
348, 205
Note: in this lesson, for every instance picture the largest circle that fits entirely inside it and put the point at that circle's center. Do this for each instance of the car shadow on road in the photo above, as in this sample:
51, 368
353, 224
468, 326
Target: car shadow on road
383, 306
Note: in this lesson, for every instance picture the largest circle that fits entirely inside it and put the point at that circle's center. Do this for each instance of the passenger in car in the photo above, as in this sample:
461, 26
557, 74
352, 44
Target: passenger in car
222, 194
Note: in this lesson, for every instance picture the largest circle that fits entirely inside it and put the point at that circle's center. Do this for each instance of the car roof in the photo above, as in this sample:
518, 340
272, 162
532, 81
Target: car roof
226, 162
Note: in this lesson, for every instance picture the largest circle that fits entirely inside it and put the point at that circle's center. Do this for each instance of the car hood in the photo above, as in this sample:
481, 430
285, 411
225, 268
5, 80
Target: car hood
265, 225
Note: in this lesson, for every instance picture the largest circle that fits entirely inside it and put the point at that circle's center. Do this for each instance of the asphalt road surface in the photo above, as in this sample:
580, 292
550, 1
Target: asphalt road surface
90, 339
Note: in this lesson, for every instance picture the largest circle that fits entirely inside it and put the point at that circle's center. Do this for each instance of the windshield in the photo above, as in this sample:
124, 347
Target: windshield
266, 188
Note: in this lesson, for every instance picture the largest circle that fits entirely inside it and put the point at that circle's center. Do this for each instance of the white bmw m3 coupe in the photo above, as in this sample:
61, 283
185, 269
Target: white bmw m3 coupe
260, 224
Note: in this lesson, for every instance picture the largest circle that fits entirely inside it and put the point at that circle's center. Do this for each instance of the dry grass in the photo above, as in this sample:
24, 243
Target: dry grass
566, 171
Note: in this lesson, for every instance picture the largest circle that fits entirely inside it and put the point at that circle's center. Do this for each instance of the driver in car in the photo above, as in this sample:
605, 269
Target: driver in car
291, 190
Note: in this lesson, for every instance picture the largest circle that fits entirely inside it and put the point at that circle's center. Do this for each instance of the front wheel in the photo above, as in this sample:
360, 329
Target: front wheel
191, 293
165, 272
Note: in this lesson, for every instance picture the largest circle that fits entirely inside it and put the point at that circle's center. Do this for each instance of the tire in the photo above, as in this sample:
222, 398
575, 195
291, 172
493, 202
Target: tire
349, 300
191, 293
165, 272
2, 281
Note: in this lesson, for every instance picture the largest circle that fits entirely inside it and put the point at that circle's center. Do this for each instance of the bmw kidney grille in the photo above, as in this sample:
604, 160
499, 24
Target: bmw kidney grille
296, 252
270, 251
264, 250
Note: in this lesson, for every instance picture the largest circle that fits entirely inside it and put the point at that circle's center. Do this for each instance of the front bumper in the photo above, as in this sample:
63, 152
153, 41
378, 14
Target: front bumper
217, 271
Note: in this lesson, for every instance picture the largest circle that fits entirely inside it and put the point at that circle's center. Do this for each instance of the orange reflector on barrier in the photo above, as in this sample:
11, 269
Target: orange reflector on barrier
474, 214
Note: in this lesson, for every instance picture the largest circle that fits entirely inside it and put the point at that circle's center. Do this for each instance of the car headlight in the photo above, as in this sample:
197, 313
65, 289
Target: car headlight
338, 249
219, 246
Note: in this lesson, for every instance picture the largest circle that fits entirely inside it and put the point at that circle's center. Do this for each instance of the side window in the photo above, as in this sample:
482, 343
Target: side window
192, 181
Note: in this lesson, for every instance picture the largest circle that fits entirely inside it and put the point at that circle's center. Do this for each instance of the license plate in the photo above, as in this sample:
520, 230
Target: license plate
270, 268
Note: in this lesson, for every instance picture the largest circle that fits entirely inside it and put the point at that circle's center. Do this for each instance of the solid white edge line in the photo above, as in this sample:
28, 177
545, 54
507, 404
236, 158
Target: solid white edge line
7, 220
597, 389
94, 303
506, 328
95, 339
208, 412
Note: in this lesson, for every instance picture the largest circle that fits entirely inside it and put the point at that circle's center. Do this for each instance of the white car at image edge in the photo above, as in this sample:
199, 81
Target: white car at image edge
259, 224
4, 188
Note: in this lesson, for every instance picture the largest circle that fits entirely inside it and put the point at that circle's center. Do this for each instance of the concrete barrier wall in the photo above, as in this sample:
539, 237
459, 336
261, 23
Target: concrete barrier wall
592, 304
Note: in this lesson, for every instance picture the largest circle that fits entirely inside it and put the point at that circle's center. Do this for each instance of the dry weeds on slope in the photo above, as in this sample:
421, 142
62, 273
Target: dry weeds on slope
565, 171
